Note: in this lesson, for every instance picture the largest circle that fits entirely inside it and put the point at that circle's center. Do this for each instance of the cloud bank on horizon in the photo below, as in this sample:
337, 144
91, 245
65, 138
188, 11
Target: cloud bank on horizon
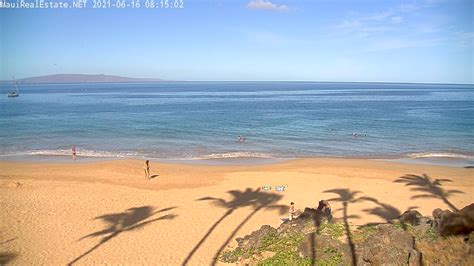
338, 40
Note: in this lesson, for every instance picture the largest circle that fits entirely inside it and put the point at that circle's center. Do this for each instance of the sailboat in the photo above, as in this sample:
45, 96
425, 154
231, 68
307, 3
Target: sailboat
15, 93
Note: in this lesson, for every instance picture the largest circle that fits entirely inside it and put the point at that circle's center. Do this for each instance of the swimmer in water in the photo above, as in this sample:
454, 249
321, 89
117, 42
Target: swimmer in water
241, 138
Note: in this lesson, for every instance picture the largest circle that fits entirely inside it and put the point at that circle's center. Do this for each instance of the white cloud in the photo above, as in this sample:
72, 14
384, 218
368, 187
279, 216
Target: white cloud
408, 7
402, 43
387, 20
362, 27
267, 5
396, 19
465, 39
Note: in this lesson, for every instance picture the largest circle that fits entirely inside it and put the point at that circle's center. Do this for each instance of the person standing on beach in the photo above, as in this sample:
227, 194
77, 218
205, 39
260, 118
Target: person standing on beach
146, 167
292, 211
73, 152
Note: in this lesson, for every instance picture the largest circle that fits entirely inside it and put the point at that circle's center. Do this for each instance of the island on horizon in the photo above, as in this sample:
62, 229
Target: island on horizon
80, 78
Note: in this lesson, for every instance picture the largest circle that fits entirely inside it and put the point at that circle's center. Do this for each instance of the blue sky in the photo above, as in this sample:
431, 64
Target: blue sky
311, 40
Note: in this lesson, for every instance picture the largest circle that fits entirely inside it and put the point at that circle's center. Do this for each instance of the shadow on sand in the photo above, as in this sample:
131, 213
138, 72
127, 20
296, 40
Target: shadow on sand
6, 257
256, 199
128, 220
429, 188
385, 211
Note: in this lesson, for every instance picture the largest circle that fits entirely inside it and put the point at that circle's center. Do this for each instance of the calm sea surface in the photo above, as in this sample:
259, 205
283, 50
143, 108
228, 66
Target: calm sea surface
202, 120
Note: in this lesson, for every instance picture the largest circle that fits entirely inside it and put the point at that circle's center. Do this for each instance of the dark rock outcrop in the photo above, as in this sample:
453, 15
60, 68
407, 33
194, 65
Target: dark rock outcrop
454, 223
325, 210
388, 245
438, 216
412, 217
313, 237
253, 240
307, 221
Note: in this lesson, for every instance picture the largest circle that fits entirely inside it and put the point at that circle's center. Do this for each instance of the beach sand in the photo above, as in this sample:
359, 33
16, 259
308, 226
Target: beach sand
106, 212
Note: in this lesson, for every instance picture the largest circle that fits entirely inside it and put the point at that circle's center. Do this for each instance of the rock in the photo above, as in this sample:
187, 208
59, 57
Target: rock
255, 238
455, 223
470, 238
438, 215
388, 245
306, 222
415, 258
309, 213
325, 209
426, 221
410, 217
470, 241
421, 224
424, 226
322, 213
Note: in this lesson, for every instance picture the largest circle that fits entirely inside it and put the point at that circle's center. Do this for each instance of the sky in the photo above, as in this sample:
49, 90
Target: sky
248, 40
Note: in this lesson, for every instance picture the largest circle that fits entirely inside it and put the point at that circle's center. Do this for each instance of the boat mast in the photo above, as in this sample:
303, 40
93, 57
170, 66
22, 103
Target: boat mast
14, 83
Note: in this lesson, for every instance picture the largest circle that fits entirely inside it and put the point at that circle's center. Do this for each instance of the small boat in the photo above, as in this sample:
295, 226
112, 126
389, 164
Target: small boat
15, 93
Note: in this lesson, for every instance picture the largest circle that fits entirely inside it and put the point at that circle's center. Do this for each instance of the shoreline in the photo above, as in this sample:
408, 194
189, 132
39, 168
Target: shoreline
462, 160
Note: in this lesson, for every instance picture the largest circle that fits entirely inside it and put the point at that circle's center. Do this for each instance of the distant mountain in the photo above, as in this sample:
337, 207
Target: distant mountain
80, 78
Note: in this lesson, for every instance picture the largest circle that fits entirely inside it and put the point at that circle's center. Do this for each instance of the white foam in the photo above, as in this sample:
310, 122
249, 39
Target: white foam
438, 155
229, 155
128, 154
83, 153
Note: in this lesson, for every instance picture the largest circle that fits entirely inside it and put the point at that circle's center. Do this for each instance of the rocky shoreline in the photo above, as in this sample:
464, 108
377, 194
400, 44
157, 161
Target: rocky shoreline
314, 238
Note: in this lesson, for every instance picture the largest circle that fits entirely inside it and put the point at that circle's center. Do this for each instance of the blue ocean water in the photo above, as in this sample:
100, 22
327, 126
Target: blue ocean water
202, 120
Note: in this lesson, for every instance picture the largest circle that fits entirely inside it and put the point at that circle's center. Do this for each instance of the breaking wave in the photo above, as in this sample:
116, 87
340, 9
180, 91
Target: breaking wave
439, 155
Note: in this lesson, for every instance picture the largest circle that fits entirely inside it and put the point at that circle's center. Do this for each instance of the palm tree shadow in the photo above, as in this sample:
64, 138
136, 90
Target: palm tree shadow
346, 196
256, 199
384, 210
117, 223
429, 188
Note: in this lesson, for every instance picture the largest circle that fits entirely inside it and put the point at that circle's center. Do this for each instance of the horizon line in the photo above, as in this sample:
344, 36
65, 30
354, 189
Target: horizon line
161, 80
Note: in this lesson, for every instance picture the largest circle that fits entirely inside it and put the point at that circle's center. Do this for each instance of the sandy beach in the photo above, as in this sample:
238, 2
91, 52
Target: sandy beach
106, 212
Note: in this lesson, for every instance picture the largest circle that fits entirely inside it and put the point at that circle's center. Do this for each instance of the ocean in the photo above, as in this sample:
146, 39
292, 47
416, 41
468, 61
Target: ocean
193, 121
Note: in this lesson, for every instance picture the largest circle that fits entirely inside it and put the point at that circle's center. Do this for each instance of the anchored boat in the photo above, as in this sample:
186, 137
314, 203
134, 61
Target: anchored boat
14, 93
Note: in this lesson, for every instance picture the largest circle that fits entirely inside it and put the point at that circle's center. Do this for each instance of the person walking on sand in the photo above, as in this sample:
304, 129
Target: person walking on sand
73, 152
291, 214
146, 167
